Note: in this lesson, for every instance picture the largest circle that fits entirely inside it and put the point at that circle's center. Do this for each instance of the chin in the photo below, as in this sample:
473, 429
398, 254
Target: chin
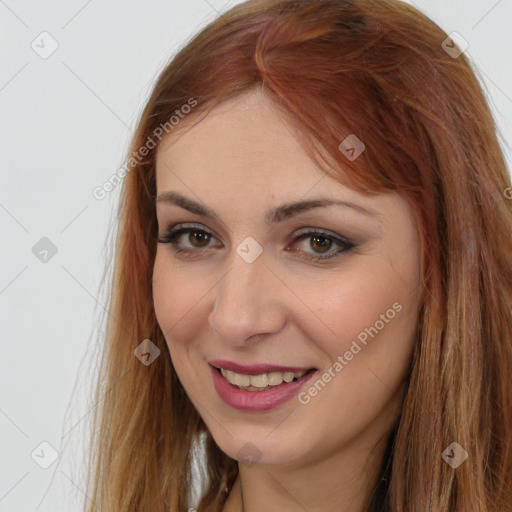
251, 450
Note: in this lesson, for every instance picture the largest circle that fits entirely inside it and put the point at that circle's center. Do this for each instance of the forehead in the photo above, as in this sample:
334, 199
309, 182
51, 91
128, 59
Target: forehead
244, 156
244, 144
241, 130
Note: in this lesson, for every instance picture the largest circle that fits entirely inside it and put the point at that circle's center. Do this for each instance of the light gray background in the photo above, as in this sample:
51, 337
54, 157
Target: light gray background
66, 123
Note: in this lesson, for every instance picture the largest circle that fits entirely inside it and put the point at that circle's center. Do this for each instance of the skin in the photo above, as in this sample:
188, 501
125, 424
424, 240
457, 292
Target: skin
284, 308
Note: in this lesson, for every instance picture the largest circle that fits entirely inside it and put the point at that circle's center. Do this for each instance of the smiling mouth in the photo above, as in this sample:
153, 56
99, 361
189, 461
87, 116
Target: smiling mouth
263, 381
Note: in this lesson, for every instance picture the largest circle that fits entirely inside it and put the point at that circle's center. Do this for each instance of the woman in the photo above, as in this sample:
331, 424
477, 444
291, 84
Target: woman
312, 274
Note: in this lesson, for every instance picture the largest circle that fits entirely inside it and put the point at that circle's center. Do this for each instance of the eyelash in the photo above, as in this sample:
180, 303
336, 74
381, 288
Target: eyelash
175, 232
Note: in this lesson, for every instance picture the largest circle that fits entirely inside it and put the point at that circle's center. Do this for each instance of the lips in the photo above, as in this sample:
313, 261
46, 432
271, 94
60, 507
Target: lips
256, 369
258, 400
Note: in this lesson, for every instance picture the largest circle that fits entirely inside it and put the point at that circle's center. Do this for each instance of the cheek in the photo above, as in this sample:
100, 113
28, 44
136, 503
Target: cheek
368, 318
177, 299
370, 323
357, 306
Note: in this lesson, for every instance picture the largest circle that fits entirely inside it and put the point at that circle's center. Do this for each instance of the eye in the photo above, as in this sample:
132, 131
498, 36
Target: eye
321, 242
197, 238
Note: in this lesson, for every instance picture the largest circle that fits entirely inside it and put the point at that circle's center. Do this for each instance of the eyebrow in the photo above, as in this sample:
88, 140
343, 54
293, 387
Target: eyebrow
273, 216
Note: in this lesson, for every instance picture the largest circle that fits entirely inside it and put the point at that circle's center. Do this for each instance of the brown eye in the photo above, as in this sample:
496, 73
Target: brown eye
320, 243
310, 245
199, 238
187, 238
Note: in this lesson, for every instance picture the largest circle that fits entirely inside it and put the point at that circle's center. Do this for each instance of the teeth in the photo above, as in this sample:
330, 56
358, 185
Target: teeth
275, 378
288, 376
261, 381
239, 379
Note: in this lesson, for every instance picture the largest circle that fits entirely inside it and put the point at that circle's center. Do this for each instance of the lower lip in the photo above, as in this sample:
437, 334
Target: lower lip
256, 400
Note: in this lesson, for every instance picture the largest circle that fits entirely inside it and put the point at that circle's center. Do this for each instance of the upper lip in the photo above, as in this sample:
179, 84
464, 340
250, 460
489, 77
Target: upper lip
256, 369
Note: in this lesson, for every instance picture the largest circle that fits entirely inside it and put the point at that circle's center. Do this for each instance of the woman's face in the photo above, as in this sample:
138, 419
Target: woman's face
271, 279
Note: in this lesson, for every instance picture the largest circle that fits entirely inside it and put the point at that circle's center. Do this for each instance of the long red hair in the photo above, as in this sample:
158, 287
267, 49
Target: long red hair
376, 69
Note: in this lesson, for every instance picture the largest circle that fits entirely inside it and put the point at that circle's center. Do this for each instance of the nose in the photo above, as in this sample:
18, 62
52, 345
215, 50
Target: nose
248, 302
